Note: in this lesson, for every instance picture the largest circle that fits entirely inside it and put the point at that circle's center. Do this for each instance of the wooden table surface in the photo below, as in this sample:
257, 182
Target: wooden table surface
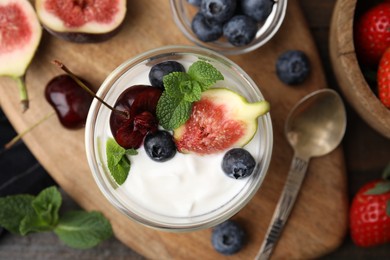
366, 154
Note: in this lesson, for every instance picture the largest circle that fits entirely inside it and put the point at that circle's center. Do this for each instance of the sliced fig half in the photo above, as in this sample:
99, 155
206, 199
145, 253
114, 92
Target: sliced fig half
220, 120
20, 34
81, 21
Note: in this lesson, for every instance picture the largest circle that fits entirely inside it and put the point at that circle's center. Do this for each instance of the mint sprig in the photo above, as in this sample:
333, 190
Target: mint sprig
23, 214
181, 90
117, 161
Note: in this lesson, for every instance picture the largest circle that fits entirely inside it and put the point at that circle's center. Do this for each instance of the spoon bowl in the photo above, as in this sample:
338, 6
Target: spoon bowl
316, 124
314, 127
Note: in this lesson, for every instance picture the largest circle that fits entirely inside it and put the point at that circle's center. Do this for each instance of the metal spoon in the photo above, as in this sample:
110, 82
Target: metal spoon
314, 127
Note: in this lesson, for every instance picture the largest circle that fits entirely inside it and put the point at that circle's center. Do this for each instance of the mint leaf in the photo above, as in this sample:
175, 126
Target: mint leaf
193, 91
117, 161
44, 217
33, 222
114, 151
180, 85
173, 82
47, 204
204, 73
80, 229
172, 112
13, 209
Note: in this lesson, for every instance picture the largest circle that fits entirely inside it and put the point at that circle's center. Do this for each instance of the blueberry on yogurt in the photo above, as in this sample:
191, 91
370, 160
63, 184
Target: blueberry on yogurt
238, 163
228, 238
159, 70
240, 30
160, 146
292, 67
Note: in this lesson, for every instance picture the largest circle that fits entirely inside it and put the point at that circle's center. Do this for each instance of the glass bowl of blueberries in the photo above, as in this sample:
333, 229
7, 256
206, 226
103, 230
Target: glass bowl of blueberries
229, 27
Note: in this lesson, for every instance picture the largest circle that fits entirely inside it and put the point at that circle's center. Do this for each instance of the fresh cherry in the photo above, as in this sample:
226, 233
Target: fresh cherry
70, 102
139, 102
134, 113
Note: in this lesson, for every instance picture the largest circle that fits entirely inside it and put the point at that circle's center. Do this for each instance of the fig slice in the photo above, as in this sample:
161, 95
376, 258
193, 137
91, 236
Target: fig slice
222, 119
81, 21
20, 34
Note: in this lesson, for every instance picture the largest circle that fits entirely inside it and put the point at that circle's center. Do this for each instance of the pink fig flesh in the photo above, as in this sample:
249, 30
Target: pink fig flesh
82, 21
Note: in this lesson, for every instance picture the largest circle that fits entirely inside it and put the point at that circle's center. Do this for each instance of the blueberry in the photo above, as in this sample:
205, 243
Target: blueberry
158, 71
160, 146
240, 30
238, 163
258, 10
195, 2
292, 67
205, 30
218, 10
228, 238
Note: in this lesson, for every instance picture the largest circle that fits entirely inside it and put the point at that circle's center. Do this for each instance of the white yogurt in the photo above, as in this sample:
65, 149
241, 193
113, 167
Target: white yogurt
188, 184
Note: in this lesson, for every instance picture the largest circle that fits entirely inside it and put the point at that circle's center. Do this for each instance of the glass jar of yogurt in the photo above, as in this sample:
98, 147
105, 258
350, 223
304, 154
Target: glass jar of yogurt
190, 191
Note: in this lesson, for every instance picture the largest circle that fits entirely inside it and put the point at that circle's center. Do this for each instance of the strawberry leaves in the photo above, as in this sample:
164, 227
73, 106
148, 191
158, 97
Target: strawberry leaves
379, 188
382, 187
370, 212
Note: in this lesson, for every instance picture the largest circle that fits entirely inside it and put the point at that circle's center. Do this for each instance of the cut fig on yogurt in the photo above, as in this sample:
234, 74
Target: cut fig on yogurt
81, 21
20, 34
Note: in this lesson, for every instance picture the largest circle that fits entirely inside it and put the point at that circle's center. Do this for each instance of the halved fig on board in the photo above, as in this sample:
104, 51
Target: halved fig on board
81, 21
20, 34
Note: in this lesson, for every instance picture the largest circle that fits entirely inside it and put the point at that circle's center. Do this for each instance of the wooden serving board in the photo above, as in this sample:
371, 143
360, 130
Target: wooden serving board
317, 224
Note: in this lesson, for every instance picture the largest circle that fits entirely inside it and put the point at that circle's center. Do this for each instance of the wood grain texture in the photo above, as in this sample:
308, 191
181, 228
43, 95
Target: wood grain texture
347, 71
318, 222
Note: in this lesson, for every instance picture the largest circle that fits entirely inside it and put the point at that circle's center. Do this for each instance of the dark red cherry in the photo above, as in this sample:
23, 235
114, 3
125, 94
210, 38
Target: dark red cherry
140, 103
70, 102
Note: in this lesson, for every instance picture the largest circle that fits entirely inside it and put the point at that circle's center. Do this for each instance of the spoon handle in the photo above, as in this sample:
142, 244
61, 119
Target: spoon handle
283, 208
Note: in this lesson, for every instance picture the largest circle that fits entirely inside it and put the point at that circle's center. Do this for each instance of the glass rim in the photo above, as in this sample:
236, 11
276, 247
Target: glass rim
91, 146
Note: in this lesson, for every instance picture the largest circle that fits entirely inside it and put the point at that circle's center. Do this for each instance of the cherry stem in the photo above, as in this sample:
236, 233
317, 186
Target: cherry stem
81, 84
21, 134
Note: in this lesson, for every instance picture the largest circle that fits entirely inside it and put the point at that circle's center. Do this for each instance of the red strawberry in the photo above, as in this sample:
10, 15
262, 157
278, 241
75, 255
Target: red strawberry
383, 77
370, 213
372, 34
